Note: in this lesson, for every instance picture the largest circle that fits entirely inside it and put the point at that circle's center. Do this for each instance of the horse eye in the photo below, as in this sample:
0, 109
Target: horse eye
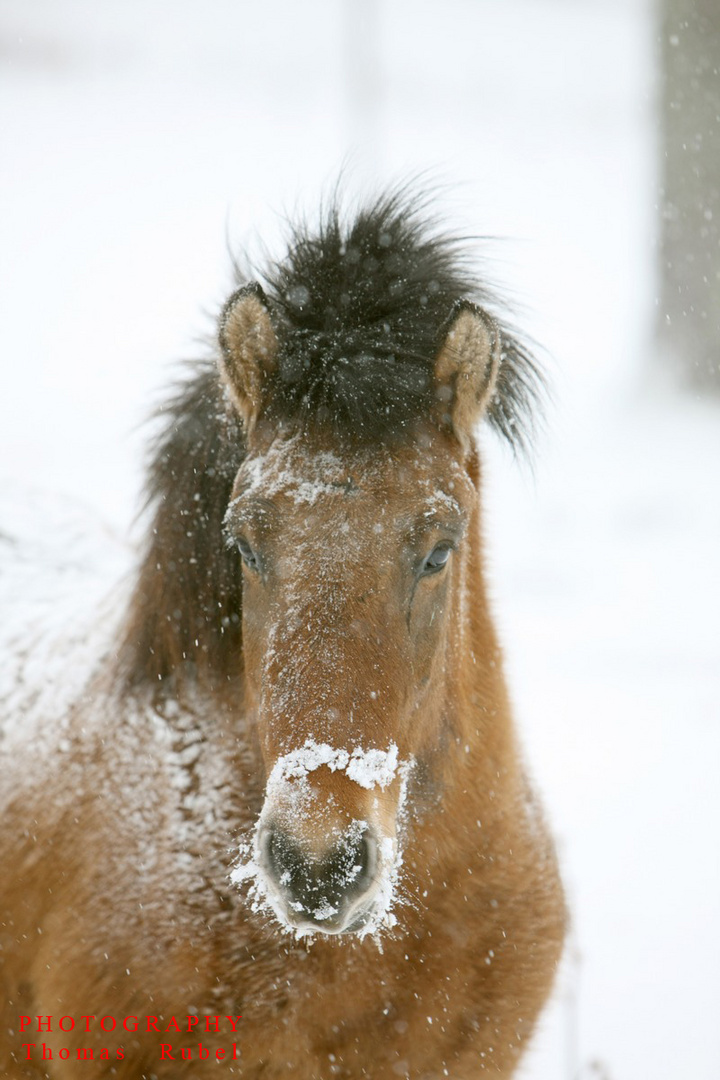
248, 555
437, 558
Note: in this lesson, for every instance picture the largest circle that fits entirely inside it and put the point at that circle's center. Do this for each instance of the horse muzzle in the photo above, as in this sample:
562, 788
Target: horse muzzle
330, 891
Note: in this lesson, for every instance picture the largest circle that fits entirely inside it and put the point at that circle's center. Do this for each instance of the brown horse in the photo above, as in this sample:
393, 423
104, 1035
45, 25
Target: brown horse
291, 790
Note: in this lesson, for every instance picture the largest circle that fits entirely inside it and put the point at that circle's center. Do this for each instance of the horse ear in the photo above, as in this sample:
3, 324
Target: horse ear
249, 349
466, 369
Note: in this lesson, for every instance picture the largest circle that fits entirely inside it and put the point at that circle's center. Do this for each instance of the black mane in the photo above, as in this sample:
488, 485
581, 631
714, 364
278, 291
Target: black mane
360, 309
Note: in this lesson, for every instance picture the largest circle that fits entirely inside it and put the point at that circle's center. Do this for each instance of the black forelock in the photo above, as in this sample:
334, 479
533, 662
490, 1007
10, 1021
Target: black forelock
361, 305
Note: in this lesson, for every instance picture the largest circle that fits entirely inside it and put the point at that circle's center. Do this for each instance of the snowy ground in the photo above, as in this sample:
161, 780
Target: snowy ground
141, 134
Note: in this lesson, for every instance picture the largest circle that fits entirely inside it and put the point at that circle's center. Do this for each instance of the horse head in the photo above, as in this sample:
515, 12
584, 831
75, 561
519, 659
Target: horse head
357, 544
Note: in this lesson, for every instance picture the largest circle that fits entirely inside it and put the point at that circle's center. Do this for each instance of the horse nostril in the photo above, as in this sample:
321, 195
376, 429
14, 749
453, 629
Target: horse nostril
364, 862
321, 889
281, 857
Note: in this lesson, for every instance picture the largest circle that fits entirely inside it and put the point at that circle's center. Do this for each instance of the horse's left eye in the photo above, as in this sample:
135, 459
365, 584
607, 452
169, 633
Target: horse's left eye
248, 555
437, 558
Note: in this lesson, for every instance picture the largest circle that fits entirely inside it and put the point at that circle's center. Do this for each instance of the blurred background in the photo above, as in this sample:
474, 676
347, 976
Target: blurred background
141, 141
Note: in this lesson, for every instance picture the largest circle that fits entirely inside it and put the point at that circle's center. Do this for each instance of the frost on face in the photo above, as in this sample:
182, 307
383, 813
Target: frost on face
288, 784
287, 469
368, 768
327, 524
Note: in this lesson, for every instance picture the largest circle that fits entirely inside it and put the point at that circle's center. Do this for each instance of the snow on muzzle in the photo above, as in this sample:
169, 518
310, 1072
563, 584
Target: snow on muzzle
329, 892
315, 862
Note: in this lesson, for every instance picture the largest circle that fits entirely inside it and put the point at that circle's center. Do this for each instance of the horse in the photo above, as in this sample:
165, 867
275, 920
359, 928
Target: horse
289, 795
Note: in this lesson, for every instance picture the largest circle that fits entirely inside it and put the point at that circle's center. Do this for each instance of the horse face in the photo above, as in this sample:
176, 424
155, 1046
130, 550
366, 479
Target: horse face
352, 564
354, 560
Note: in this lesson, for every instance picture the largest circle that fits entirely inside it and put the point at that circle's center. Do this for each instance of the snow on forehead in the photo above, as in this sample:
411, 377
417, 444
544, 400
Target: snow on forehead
291, 468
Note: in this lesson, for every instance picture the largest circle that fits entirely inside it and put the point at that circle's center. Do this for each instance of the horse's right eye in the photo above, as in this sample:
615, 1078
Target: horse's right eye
248, 555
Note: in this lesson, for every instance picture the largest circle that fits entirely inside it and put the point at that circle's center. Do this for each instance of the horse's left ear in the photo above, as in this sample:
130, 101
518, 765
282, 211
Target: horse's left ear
249, 349
466, 369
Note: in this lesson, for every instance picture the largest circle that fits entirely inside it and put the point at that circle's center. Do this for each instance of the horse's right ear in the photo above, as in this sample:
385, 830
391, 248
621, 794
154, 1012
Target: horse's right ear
248, 349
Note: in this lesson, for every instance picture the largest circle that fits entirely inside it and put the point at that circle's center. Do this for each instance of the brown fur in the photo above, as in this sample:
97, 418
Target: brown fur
115, 896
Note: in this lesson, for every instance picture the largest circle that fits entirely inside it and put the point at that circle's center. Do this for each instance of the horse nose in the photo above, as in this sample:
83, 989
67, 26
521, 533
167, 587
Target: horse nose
325, 890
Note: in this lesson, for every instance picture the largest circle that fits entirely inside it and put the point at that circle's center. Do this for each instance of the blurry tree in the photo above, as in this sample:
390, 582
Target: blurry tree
690, 196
